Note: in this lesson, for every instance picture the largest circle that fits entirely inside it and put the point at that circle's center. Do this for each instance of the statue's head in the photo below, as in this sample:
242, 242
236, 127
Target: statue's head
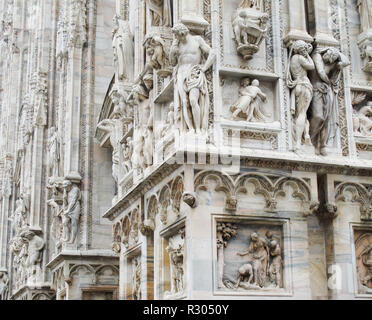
67, 184
331, 55
245, 82
180, 31
255, 83
273, 243
301, 47
254, 236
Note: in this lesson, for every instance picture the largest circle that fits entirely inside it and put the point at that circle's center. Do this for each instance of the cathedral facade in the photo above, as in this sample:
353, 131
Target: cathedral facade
185, 149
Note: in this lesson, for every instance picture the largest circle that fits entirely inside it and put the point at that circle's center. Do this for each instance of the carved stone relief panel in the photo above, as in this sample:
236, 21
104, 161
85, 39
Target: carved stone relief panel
363, 258
249, 100
250, 256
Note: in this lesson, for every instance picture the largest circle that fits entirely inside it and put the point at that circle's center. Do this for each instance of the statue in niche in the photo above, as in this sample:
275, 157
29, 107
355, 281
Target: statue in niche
136, 278
175, 250
329, 63
20, 214
71, 211
4, 285
160, 12
362, 120
302, 90
186, 55
365, 13
122, 44
259, 254
54, 151
250, 101
156, 52
176, 264
127, 154
115, 128
168, 126
143, 138
35, 245
250, 27
40, 102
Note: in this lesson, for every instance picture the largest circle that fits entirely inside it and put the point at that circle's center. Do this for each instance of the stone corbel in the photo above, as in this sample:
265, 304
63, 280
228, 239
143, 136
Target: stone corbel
147, 227
327, 211
190, 199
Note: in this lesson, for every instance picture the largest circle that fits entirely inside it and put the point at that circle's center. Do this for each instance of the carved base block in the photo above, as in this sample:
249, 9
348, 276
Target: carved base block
247, 51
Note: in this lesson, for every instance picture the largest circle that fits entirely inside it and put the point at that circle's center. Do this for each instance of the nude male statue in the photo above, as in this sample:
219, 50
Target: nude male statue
186, 55
302, 89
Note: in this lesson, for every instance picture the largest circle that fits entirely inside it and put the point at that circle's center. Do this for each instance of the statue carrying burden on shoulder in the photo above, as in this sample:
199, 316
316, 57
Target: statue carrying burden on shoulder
329, 63
186, 55
302, 90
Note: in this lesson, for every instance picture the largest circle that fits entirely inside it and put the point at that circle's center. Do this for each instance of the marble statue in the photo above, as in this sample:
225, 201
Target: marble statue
302, 90
160, 12
249, 103
34, 251
71, 211
329, 63
362, 120
258, 252
275, 268
122, 44
136, 278
176, 268
191, 83
157, 53
167, 126
114, 127
365, 13
250, 26
127, 154
54, 151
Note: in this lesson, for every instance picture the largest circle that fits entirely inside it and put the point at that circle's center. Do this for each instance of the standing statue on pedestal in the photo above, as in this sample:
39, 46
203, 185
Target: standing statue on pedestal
186, 55
302, 90
54, 155
365, 13
122, 44
160, 12
114, 127
329, 63
71, 210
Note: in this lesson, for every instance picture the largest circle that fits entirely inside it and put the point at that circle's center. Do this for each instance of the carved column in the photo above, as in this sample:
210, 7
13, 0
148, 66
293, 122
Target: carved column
4, 209
76, 40
297, 22
192, 15
323, 34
